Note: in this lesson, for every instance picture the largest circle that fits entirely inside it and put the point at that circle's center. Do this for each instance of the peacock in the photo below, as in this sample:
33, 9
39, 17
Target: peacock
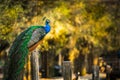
27, 41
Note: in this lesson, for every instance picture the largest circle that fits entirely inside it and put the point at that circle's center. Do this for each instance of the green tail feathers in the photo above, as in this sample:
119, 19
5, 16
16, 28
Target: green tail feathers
17, 55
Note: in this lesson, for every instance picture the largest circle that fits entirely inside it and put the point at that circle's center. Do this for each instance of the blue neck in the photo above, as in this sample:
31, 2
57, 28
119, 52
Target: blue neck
47, 28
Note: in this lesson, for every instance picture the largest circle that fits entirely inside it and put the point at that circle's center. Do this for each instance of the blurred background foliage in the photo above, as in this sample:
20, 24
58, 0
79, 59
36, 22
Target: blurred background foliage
79, 27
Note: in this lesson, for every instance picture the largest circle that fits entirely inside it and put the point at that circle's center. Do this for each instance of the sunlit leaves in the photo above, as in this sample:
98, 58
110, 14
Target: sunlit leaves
77, 19
13, 12
74, 53
63, 9
8, 17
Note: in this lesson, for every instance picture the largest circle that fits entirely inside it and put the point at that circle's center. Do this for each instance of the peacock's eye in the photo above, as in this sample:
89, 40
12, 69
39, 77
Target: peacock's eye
48, 21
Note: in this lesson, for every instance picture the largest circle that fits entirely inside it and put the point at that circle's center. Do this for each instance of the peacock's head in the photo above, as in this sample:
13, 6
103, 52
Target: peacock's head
47, 21
47, 26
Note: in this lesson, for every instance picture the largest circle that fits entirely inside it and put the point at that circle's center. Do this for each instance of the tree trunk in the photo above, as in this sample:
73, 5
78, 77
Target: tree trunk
29, 68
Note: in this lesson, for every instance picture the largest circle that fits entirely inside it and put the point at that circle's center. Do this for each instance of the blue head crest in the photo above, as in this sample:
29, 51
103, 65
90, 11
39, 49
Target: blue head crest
47, 26
47, 21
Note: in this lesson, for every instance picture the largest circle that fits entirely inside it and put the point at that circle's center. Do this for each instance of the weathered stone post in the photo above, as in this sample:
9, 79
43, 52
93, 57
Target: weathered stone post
35, 65
95, 73
95, 70
67, 70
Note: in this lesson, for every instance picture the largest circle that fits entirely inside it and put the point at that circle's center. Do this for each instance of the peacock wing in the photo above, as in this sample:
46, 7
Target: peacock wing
37, 35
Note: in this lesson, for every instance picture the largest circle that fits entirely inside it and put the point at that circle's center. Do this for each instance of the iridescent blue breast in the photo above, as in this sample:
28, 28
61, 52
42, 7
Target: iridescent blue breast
47, 28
